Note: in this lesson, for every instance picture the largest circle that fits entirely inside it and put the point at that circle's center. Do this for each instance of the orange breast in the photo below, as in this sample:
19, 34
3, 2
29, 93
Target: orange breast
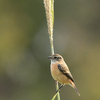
58, 75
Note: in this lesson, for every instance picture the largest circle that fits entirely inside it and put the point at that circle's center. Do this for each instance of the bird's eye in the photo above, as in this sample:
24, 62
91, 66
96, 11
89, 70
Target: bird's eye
55, 57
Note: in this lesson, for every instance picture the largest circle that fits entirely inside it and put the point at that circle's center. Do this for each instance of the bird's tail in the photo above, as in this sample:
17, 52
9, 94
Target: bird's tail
76, 90
73, 85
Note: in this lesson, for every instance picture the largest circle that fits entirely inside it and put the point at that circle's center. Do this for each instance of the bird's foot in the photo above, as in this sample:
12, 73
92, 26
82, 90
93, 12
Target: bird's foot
58, 91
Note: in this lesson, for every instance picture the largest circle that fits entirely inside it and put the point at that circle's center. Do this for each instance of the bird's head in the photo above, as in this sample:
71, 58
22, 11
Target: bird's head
55, 58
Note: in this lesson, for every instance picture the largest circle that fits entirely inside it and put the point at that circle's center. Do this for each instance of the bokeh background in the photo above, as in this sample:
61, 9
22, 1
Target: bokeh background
24, 47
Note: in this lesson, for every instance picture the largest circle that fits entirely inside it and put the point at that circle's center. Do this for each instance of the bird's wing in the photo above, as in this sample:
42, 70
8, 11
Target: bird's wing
65, 71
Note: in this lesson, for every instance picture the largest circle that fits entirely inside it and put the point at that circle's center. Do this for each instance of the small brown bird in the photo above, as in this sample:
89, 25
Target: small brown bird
60, 72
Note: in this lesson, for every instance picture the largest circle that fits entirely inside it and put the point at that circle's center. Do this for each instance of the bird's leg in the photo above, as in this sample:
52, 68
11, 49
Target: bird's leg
59, 88
57, 91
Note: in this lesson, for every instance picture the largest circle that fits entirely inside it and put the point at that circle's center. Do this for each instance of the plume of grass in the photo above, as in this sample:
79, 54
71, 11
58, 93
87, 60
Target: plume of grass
49, 9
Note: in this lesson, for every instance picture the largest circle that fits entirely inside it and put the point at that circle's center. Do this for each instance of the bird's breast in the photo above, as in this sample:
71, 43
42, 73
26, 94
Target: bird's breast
58, 75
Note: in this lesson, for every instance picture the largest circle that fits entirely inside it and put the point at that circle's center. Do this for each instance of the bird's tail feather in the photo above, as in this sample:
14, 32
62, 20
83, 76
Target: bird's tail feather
76, 90
73, 85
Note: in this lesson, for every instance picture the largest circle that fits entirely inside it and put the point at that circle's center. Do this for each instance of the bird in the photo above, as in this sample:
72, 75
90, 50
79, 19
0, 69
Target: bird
60, 72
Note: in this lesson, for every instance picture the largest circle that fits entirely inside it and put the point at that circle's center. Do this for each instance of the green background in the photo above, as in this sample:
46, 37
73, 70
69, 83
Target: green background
24, 47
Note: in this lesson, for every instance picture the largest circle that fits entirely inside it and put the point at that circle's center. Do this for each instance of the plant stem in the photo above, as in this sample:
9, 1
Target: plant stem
57, 87
49, 8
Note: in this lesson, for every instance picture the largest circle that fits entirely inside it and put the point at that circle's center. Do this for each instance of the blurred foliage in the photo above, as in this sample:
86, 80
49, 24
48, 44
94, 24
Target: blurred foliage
24, 47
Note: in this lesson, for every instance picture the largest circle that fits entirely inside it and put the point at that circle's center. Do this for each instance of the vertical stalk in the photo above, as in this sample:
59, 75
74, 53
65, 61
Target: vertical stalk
49, 8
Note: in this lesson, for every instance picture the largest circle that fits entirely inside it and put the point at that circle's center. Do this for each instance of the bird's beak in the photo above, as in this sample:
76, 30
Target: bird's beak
49, 57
